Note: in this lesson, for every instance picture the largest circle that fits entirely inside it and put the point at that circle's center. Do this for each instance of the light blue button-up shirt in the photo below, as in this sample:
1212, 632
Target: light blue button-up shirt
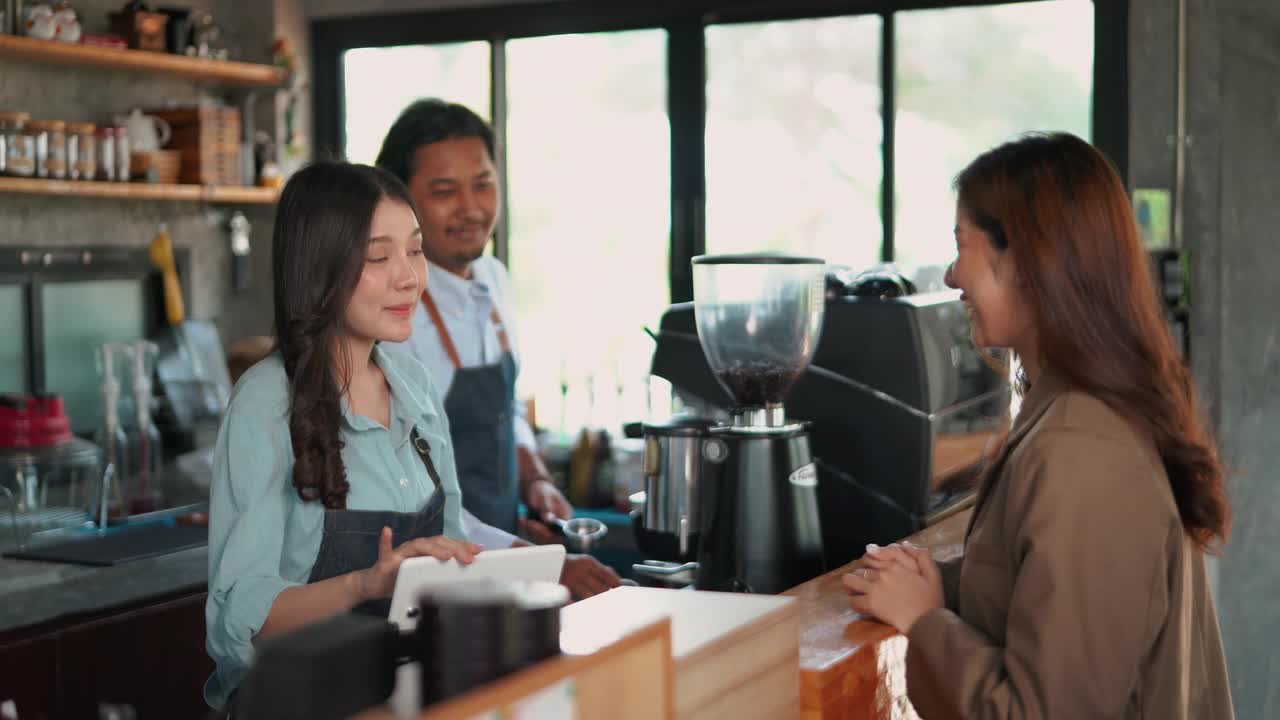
466, 306
263, 538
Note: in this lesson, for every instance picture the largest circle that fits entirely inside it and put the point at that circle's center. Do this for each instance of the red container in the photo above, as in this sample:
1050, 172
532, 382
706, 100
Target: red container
104, 40
33, 421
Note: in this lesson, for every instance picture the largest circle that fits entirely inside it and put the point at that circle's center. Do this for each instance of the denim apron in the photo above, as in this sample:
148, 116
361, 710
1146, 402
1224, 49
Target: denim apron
350, 539
479, 406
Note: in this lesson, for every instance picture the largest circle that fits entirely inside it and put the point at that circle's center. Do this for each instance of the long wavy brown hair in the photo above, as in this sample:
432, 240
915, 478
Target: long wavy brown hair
1060, 207
318, 246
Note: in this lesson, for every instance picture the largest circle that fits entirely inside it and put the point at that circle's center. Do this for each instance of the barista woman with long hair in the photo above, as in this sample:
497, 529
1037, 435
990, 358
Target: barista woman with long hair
333, 463
1082, 590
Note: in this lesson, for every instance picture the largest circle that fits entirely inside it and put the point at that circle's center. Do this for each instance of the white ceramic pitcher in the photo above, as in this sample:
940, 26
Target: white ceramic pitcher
146, 132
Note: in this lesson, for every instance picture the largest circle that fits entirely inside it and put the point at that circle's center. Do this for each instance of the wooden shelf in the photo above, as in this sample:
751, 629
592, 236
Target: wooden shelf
246, 195
223, 72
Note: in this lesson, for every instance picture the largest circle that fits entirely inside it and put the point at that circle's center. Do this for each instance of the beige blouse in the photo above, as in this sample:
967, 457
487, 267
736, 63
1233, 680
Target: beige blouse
1078, 595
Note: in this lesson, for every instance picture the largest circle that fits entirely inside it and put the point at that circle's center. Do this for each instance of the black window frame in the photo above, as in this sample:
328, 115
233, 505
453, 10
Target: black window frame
685, 22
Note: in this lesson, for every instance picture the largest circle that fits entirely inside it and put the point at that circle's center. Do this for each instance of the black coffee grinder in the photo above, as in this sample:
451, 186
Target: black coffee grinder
758, 320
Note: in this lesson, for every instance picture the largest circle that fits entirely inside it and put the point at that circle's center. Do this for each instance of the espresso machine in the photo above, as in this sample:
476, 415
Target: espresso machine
734, 504
877, 426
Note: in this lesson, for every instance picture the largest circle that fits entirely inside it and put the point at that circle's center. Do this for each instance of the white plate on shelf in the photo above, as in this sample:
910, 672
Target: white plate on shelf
538, 562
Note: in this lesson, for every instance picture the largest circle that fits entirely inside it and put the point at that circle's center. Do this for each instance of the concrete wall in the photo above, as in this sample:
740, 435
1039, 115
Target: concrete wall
1230, 229
293, 25
1241, 38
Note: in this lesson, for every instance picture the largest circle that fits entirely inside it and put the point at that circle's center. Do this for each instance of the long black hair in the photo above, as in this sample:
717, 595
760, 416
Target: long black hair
317, 254
425, 122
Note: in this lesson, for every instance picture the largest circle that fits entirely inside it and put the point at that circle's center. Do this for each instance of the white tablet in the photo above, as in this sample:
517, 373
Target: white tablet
537, 562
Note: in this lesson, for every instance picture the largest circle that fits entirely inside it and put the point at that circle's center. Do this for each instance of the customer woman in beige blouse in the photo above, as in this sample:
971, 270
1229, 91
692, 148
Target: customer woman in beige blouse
1082, 590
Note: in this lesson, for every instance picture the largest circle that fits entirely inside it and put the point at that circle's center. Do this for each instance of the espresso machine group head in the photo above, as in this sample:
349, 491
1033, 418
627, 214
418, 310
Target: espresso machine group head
739, 497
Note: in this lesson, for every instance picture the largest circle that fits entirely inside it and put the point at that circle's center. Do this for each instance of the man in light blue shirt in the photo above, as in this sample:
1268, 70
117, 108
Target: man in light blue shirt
466, 308
444, 154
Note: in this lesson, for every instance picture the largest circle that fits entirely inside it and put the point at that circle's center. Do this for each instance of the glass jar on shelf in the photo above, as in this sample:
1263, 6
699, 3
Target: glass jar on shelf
123, 150
18, 151
105, 139
51, 148
82, 158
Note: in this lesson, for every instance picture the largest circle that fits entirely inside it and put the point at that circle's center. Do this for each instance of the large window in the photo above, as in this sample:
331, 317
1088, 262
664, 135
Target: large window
793, 138
628, 151
589, 197
381, 81
968, 79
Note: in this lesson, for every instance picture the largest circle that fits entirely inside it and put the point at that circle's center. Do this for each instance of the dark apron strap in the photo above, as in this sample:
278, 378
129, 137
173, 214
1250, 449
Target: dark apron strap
424, 451
350, 539
447, 340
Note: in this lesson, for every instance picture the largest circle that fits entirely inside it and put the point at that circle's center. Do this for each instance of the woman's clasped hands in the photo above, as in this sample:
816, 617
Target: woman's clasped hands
896, 585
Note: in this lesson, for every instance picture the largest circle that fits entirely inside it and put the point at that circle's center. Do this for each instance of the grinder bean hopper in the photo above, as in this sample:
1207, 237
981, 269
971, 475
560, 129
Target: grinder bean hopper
746, 489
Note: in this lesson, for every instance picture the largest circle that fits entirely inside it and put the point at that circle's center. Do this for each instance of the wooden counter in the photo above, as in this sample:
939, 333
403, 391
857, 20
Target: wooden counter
652, 654
621, 675
853, 668
734, 655
803, 654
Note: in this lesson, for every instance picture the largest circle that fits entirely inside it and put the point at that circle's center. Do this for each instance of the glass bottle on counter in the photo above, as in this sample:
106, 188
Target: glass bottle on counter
82, 158
144, 438
110, 436
51, 148
19, 151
